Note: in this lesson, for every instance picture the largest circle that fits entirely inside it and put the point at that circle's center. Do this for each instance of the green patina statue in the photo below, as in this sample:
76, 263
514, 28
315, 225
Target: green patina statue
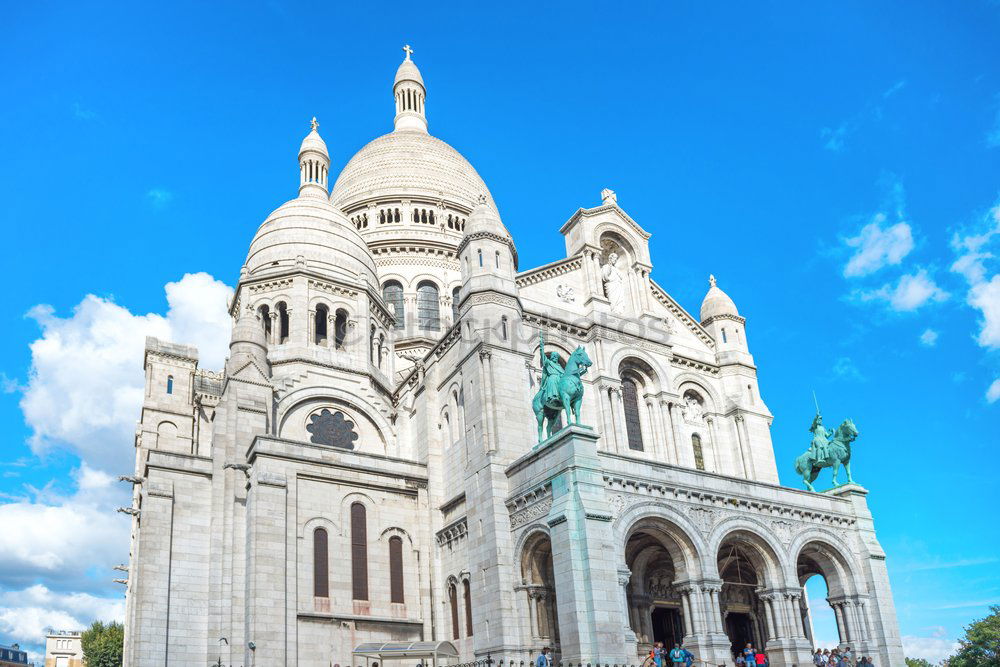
829, 449
561, 389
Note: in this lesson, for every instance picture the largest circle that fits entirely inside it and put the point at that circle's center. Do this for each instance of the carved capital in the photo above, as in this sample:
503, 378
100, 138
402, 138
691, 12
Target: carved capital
485, 354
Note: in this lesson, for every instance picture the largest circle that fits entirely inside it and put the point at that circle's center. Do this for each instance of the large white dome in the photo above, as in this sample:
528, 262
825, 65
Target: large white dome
408, 164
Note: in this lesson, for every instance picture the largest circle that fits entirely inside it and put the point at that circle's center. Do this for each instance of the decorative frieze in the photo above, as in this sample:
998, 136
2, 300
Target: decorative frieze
453, 532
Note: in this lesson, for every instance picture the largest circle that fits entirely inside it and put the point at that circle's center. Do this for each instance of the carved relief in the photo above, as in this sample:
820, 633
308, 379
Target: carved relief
531, 513
703, 518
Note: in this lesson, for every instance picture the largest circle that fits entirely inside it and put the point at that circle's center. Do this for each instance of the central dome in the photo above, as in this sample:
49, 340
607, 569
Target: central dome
411, 164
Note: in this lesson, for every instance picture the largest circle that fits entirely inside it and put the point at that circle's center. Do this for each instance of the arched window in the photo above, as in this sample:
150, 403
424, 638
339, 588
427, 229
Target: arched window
392, 293
321, 568
371, 345
503, 327
498, 258
630, 403
381, 349
396, 569
322, 315
265, 319
480, 252
453, 601
359, 551
428, 311
454, 303
699, 456
340, 328
170, 384
467, 590
724, 339
282, 322
397, 215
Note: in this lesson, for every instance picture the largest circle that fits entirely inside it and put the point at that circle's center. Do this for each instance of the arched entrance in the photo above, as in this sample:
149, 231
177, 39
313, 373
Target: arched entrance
658, 555
538, 584
846, 621
747, 567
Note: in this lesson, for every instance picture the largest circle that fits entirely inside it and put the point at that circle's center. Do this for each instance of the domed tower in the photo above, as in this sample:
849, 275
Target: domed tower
489, 264
311, 283
724, 322
409, 195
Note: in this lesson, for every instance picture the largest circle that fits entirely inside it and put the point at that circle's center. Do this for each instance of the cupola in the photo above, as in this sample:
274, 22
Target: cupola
409, 91
314, 164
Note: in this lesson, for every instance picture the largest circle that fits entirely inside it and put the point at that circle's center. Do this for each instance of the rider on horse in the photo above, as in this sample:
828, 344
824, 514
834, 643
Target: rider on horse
552, 371
821, 438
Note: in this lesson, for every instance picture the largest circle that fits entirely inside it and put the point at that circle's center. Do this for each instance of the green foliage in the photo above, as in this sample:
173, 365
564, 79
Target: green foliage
103, 644
980, 647
917, 662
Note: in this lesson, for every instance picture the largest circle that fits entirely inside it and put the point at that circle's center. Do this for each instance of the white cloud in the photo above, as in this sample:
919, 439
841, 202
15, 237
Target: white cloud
845, 369
894, 88
26, 614
911, 292
932, 649
876, 247
985, 297
159, 197
59, 538
835, 137
86, 380
993, 393
929, 337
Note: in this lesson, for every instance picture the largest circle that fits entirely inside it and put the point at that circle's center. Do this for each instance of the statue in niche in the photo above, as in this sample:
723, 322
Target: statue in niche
692, 409
614, 283
332, 429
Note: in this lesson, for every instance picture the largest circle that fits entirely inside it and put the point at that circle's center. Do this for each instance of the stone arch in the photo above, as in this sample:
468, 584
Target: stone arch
609, 233
643, 363
306, 528
538, 586
763, 546
294, 410
814, 552
685, 382
668, 513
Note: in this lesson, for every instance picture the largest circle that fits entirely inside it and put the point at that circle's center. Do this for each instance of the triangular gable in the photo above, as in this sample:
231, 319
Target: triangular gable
678, 311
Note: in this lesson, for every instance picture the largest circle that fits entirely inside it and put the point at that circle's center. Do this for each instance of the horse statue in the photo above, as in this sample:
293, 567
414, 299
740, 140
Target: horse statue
827, 452
561, 390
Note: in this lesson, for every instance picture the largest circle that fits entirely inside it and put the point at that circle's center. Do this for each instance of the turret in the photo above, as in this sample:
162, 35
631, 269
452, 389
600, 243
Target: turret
248, 344
410, 94
724, 322
489, 264
314, 165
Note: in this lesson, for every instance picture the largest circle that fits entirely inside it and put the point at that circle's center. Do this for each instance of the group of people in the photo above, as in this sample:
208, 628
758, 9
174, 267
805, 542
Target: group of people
660, 657
750, 656
837, 658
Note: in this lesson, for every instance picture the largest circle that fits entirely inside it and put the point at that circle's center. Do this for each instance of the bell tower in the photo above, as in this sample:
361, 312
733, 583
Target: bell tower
410, 94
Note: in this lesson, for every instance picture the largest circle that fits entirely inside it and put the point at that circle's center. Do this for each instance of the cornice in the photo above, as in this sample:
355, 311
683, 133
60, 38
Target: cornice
675, 308
548, 271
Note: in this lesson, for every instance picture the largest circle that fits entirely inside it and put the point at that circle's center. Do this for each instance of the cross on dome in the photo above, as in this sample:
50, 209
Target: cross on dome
711, 280
408, 50
314, 123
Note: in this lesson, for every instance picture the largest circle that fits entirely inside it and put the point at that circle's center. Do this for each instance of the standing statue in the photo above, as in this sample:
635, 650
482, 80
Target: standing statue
614, 283
828, 449
561, 389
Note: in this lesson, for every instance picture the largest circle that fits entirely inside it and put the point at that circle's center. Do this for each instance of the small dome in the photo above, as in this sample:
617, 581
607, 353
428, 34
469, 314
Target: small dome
248, 329
314, 142
485, 219
716, 303
310, 230
408, 72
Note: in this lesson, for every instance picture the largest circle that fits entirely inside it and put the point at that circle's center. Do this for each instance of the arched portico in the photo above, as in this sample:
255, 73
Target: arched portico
538, 587
818, 555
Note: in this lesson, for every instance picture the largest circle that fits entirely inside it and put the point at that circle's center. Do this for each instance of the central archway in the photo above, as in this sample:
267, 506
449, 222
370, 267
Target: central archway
748, 567
660, 557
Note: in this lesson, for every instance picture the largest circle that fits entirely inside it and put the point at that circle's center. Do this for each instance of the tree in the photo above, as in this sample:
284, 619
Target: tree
917, 662
103, 645
980, 647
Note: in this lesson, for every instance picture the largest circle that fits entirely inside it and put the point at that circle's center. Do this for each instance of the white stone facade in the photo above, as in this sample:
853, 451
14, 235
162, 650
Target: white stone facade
365, 466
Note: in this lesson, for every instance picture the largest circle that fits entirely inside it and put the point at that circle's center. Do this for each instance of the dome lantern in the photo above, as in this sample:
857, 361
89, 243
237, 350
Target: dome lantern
409, 91
314, 164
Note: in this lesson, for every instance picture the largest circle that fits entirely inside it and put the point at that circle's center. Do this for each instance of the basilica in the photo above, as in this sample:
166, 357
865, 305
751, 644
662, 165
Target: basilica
367, 467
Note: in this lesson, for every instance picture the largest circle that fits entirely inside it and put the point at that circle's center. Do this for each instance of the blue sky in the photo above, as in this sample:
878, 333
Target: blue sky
835, 165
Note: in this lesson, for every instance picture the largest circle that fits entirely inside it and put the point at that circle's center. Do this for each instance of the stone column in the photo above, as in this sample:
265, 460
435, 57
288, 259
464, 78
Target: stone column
659, 430
618, 419
331, 330
311, 328
717, 468
532, 612
275, 326
624, 574
769, 625
675, 432
794, 613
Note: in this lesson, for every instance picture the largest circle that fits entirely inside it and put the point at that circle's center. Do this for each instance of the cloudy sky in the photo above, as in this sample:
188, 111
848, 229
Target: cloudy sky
835, 165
